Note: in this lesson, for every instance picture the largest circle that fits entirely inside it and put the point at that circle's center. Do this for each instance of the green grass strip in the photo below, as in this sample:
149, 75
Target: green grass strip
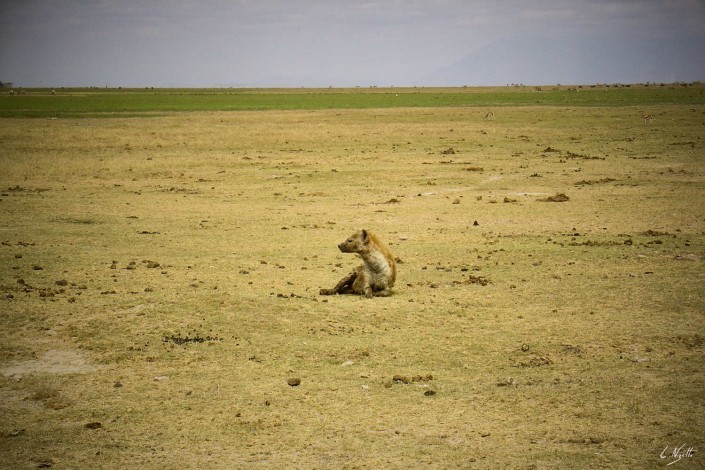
87, 102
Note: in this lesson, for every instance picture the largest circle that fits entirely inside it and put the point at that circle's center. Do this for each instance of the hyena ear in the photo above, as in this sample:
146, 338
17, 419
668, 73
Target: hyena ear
365, 237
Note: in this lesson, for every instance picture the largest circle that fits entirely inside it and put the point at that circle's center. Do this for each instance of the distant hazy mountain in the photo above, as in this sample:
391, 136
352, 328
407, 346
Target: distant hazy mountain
594, 59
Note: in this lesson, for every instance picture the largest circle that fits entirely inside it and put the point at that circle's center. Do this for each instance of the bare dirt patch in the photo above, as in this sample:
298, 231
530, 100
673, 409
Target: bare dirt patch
55, 361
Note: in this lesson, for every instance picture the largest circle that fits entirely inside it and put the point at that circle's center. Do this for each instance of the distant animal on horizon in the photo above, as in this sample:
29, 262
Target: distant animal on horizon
648, 118
376, 276
489, 116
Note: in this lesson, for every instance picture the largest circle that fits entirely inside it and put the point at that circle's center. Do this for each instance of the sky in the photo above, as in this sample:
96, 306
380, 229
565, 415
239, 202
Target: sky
340, 43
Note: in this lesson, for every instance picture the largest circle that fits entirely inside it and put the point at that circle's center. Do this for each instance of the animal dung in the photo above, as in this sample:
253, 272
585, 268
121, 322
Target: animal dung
294, 382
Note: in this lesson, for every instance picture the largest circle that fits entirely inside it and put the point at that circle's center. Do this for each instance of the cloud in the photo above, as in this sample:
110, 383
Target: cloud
283, 42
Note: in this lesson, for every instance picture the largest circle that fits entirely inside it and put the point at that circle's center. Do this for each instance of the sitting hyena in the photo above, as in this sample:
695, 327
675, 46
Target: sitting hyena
376, 276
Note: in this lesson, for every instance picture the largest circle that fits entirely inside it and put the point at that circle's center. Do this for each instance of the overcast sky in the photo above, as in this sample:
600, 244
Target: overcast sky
220, 43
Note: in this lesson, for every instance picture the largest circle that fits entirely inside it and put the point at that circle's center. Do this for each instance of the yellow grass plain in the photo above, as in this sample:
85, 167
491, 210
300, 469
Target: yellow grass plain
160, 282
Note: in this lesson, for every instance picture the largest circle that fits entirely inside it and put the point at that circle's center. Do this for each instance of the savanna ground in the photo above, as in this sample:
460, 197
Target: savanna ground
160, 275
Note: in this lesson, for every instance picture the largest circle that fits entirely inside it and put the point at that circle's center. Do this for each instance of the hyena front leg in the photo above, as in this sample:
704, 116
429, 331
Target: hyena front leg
343, 286
362, 286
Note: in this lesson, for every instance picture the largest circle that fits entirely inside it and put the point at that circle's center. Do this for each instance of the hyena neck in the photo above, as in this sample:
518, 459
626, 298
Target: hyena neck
375, 261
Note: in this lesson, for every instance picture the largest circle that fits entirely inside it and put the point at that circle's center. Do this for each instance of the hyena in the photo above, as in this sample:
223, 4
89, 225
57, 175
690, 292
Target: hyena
376, 276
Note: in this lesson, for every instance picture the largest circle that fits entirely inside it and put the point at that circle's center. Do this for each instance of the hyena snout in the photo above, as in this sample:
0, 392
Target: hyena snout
349, 246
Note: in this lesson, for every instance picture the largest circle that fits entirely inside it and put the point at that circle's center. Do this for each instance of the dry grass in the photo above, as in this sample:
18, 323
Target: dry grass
160, 276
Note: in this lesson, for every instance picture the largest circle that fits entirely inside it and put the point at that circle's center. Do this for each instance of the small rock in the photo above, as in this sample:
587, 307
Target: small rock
62, 282
294, 382
401, 379
161, 378
560, 197
429, 393
422, 378
93, 425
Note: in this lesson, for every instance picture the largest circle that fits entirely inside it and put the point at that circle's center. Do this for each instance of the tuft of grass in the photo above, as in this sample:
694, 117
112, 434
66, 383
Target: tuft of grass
78, 220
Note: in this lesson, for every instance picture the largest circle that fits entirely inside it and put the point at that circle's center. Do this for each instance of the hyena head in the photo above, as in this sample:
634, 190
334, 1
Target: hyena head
356, 243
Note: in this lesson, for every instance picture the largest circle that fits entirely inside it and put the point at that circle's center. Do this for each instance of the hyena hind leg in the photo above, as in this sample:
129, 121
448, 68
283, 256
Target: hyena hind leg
343, 286
383, 293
